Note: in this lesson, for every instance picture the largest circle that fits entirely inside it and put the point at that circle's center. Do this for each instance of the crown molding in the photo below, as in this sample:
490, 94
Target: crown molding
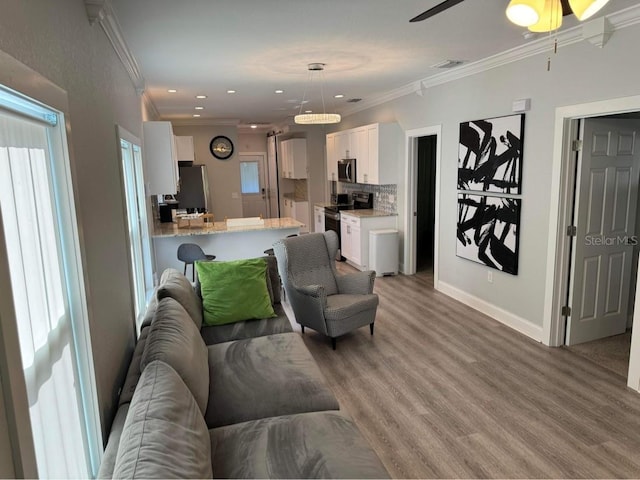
615, 21
101, 11
154, 114
226, 122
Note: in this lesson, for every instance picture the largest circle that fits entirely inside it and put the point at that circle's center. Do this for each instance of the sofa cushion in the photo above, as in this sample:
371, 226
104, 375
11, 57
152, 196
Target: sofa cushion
234, 291
307, 445
164, 435
134, 371
175, 285
264, 377
174, 339
111, 451
151, 310
274, 279
248, 329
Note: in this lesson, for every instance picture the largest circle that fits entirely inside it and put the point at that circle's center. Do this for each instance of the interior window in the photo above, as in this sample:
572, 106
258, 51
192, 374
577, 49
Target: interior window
139, 241
41, 243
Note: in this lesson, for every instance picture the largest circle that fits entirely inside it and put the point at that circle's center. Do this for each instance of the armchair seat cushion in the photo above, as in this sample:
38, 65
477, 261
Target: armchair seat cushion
264, 377
342, 306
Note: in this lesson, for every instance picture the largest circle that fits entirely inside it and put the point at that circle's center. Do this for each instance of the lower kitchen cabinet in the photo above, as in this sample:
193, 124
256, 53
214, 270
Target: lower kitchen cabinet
298, 210
354, 232
318, 219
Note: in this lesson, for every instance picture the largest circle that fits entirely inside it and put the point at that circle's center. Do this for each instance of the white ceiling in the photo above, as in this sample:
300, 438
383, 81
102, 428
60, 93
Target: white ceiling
257, 46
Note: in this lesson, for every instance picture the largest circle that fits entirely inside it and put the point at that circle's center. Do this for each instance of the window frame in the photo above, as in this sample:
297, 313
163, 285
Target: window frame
22, 81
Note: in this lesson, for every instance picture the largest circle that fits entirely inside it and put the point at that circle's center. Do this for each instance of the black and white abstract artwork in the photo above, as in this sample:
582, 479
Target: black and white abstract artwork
488, 231
490, 155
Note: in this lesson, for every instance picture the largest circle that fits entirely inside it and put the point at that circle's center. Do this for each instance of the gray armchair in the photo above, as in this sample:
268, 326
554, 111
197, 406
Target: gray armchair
321, 299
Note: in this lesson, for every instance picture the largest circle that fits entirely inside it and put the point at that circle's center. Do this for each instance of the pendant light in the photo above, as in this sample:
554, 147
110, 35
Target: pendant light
550, 18
323, 118
584, 9
525, 12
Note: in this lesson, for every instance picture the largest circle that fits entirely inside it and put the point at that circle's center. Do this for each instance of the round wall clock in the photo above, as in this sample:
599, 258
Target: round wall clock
221, 147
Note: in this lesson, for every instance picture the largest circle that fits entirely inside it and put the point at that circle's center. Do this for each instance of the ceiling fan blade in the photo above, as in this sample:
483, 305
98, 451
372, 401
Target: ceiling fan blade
441, 7
566, 9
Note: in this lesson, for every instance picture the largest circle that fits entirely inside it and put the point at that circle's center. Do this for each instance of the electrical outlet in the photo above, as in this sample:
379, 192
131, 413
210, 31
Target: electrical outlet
489, 276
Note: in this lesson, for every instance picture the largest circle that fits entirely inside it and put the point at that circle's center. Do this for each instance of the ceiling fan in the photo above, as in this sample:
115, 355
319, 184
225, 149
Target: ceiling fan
441, 7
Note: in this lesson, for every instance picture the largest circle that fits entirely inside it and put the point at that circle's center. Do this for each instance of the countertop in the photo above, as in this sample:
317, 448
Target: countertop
368, 213
172, 230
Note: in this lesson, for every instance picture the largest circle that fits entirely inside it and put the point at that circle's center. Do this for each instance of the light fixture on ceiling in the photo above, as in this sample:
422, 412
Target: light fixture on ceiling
172, 90
201, 96
323, 118
279, 91
546, 15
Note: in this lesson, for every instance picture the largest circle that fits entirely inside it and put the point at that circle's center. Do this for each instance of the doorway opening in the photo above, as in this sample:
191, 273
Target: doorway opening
425, 202
604, 248
254, 185
430, 149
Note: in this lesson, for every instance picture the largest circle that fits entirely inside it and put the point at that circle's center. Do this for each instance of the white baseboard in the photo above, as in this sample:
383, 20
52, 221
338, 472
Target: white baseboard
509, 319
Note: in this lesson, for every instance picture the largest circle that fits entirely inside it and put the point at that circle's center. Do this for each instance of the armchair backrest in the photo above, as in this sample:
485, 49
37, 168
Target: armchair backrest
309, 260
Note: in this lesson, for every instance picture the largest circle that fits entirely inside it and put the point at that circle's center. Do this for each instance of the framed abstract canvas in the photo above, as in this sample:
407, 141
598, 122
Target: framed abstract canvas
490, 155
488, 230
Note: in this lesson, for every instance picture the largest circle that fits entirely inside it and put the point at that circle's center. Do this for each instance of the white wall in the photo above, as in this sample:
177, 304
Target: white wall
224, 175
56, 40
252, 142
579, 73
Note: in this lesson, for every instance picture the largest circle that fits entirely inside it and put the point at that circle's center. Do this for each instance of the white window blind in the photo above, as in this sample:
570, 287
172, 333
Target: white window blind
42, 289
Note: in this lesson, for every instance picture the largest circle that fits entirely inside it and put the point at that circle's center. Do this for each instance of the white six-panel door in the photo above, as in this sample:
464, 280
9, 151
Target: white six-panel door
606, 202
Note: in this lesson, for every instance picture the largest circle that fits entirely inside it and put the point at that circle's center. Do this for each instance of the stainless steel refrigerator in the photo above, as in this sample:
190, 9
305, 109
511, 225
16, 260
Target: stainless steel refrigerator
194, 189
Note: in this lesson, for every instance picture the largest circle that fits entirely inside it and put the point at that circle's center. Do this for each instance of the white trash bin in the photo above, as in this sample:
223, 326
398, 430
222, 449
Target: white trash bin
383, 251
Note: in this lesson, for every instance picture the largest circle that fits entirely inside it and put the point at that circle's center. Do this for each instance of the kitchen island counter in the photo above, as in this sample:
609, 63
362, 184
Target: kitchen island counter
225, 242
172, 230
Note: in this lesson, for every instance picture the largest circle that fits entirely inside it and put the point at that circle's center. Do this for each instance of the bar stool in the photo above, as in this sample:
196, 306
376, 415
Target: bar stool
189, 253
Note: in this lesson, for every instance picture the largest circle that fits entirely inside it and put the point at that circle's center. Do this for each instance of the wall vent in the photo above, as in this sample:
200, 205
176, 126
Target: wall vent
354, 100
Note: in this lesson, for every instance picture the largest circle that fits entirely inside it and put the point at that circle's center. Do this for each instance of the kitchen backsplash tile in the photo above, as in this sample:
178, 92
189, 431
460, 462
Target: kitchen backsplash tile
385, 197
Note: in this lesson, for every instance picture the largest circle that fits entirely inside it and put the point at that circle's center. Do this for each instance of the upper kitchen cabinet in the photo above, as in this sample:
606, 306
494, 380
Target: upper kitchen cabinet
294, 158
332, 159
160, 158
184, 149
375, 147
383, 145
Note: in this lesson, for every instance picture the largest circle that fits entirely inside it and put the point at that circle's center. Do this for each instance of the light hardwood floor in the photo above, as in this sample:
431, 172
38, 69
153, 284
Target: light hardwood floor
442, 391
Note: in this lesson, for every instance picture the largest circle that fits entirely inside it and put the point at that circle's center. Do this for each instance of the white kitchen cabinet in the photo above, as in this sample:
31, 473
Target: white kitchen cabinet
298, 210
184, 149
160, 158
384, 149
342, 146
354, 239
318, 218
294, 158
332, 158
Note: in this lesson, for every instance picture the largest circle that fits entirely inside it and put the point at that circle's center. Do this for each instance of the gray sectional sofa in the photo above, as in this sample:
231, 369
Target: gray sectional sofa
243, 400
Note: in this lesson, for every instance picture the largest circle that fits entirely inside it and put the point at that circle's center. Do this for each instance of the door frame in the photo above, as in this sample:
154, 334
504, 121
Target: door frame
265, 163
411, 194
559, 253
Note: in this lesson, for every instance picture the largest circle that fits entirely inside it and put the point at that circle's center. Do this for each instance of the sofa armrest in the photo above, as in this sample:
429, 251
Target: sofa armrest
356, 283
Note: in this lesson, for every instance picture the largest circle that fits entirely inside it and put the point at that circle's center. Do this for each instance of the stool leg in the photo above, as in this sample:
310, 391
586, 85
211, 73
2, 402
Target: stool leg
185, 269
193, 272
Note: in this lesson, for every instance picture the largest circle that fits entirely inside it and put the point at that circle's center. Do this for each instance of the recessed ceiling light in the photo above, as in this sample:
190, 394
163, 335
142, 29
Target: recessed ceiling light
196, 115
338, 96
231, 91
279, 91
172, 90
201, 96
308, 111
254, 126
199, 108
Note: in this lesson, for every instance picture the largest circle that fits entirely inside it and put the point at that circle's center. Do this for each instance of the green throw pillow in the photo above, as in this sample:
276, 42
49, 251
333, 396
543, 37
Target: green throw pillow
234, 291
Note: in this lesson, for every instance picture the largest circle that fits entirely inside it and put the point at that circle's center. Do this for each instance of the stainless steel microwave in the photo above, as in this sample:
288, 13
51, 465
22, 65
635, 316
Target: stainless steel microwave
347, 170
